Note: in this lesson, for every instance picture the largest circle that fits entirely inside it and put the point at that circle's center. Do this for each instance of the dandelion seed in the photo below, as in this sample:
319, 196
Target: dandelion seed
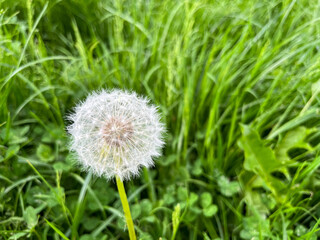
115, 133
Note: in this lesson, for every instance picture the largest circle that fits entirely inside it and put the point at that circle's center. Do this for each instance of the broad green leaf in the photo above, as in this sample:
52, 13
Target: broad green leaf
268, 200
227, 187
90, 223
254, 227
258, 158
182, 194
18, 235
261, 202
169, 196
210, 210
293, 139
30, 217
193, 198
192, 213
121, 223
146, 206
45, 153
197, 168
62, 166
206, 199
135, 211
300, 230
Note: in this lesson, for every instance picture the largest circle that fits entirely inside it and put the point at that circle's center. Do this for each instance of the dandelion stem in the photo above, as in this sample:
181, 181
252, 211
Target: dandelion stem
126, 209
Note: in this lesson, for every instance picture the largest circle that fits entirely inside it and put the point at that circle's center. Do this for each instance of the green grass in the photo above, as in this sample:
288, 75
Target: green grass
237, 84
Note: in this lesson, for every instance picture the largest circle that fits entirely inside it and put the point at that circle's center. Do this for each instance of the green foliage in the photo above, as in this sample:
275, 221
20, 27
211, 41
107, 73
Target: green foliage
30, 217
228, 188
44, 153
237, 83
260, 159
255, 227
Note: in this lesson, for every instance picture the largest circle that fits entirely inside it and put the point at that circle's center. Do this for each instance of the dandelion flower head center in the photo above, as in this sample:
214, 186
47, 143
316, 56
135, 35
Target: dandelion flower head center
117, 131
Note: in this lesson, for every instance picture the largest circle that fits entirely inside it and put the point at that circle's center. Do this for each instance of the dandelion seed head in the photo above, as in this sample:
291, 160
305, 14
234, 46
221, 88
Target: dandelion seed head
115, 133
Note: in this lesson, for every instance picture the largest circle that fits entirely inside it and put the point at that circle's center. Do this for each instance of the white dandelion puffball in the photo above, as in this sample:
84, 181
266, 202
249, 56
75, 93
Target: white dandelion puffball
115, 133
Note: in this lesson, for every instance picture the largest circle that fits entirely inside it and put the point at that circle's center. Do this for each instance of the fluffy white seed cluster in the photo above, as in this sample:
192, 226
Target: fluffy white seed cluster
115, 133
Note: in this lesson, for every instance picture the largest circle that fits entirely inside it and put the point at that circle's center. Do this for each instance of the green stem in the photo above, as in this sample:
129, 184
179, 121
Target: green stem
126, 209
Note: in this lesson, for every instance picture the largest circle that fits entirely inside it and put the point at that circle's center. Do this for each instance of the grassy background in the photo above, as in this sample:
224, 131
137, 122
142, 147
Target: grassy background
237, 85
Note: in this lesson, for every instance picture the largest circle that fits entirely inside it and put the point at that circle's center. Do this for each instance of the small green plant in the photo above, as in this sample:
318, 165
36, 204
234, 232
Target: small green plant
114, 134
